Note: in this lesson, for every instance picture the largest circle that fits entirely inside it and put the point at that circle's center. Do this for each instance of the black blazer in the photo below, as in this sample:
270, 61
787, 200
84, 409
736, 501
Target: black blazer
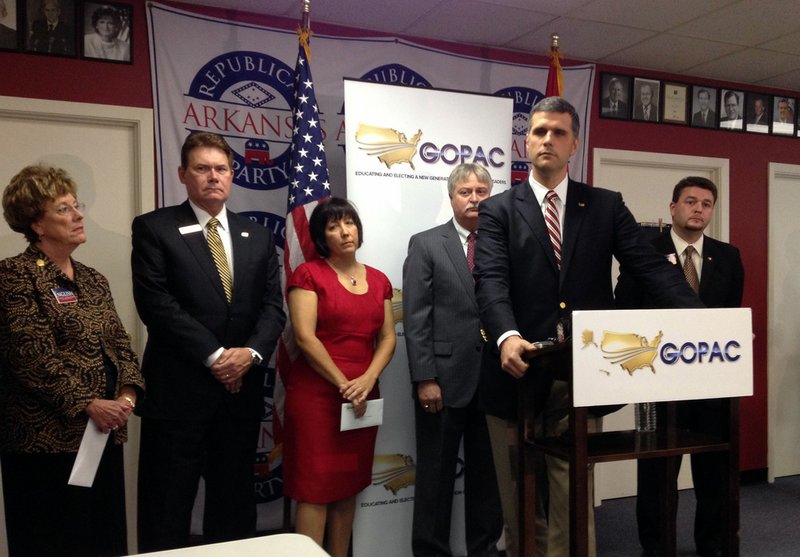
440, 315
179, 297
721, 278
520, 287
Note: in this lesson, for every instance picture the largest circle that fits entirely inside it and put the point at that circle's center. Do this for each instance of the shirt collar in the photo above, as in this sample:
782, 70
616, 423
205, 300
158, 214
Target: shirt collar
680, 243
463, 233
540, 191
203, 217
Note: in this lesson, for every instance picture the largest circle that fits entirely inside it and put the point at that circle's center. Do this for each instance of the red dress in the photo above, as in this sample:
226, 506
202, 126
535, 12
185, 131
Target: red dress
320, 463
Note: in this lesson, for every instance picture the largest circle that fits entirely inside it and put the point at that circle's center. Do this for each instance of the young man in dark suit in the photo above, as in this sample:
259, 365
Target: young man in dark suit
536, 261
207, 286
719, 276
444, 343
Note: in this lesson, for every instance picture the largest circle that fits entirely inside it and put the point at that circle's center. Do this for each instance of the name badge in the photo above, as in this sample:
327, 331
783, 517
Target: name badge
64, 295
190, 228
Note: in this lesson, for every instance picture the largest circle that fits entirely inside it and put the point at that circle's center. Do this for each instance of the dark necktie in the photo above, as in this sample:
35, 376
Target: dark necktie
689, 270
553, 223
471, 251
220, 259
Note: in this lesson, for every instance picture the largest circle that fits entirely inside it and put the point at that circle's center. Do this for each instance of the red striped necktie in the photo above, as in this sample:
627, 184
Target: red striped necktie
553, 222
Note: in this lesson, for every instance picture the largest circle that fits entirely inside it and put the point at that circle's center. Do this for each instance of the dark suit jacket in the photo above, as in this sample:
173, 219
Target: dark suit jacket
622, 108
440, 315
697, 119
638, 113
179, 296
721, 280
520, 287
60, 40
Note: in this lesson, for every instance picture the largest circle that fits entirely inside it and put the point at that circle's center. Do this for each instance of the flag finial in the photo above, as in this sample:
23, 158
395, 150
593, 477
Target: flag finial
554, 41
306, 21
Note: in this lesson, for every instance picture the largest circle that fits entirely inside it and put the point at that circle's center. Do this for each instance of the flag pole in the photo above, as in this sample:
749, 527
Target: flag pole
555, 80
306, 19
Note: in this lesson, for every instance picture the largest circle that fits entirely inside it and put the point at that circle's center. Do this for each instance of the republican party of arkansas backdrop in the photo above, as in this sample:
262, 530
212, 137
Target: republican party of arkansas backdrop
236, 79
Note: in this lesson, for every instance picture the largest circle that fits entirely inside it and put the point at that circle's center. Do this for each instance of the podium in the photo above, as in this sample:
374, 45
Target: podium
718, 367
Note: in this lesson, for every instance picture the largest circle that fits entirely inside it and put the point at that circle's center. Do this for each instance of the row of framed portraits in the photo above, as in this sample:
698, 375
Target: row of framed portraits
624, 97
93, 30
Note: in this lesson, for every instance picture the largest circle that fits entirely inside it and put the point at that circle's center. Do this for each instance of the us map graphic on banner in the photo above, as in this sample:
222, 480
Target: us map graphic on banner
236, 79
402, 144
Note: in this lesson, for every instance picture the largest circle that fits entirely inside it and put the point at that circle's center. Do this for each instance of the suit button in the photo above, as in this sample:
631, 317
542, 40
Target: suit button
562, 305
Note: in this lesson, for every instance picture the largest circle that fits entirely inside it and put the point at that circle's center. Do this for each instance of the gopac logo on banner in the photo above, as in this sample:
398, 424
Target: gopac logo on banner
391, 147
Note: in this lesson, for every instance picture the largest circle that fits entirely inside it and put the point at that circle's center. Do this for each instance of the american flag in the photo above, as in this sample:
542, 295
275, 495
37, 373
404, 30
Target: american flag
308, 184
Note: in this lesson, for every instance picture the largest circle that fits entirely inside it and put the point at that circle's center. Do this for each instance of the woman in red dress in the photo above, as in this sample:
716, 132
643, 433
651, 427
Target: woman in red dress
342, 317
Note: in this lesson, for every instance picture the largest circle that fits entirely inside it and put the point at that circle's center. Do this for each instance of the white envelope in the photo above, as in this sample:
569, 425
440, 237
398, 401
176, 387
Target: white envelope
91, 450
372, 417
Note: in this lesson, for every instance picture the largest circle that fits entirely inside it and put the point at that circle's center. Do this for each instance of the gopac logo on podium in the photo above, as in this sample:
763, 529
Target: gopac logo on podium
633, 351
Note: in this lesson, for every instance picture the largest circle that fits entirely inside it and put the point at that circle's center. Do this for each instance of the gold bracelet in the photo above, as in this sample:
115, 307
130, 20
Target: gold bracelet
130, 401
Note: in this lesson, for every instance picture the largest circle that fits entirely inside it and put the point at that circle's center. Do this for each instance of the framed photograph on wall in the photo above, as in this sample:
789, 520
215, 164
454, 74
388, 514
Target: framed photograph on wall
646, 96
704, 106
9, 25
615, 93
732, 103
783, 115
50, 27
107, 32
758, 112
675, 103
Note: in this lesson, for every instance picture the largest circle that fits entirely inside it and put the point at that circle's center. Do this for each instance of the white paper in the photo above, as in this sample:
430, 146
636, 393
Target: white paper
91, 450
372, 417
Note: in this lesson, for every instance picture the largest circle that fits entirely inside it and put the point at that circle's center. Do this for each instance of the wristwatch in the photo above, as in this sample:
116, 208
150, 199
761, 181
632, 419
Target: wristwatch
256, 359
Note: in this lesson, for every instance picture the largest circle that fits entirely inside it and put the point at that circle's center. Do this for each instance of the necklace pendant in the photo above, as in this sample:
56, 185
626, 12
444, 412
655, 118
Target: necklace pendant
353, 280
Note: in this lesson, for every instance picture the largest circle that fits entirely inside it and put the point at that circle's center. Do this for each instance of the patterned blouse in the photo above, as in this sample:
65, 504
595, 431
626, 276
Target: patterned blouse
53, 334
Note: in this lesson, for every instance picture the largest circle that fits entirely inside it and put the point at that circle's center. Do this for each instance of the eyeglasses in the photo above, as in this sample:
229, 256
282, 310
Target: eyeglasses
64, 210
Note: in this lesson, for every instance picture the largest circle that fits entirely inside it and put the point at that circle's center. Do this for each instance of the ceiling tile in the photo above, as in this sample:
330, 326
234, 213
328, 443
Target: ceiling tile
747, 66
466, 22
669, 53
581, 40
789, 43
747, 23
562, 7
789, 81
647, 14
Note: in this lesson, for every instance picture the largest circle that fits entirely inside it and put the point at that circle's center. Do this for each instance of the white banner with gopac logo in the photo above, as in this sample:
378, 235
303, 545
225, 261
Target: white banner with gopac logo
402, 144
650, 355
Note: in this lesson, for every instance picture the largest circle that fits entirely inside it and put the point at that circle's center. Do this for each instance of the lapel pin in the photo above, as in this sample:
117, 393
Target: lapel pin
245, 234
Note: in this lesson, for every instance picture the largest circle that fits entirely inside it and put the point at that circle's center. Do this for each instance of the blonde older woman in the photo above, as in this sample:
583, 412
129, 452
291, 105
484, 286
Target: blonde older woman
65, 358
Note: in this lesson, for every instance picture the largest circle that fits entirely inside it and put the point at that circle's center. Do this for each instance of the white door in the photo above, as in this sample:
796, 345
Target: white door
783, 325
108, 151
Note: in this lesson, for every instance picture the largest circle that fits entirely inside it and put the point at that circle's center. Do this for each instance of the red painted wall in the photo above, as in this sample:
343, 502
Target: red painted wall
44, 77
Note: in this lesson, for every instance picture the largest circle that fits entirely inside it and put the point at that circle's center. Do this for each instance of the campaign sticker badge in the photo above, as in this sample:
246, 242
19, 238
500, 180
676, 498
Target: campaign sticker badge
64, 295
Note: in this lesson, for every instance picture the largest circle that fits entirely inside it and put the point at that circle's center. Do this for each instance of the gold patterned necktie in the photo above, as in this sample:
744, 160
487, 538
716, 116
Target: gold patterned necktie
689, 270
220, 259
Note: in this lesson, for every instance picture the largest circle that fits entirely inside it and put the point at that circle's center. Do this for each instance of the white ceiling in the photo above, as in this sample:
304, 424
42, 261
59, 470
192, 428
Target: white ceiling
747, 41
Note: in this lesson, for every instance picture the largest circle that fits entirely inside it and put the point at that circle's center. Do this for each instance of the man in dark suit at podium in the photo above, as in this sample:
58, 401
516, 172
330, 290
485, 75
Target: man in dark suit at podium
715, 270
545, 249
